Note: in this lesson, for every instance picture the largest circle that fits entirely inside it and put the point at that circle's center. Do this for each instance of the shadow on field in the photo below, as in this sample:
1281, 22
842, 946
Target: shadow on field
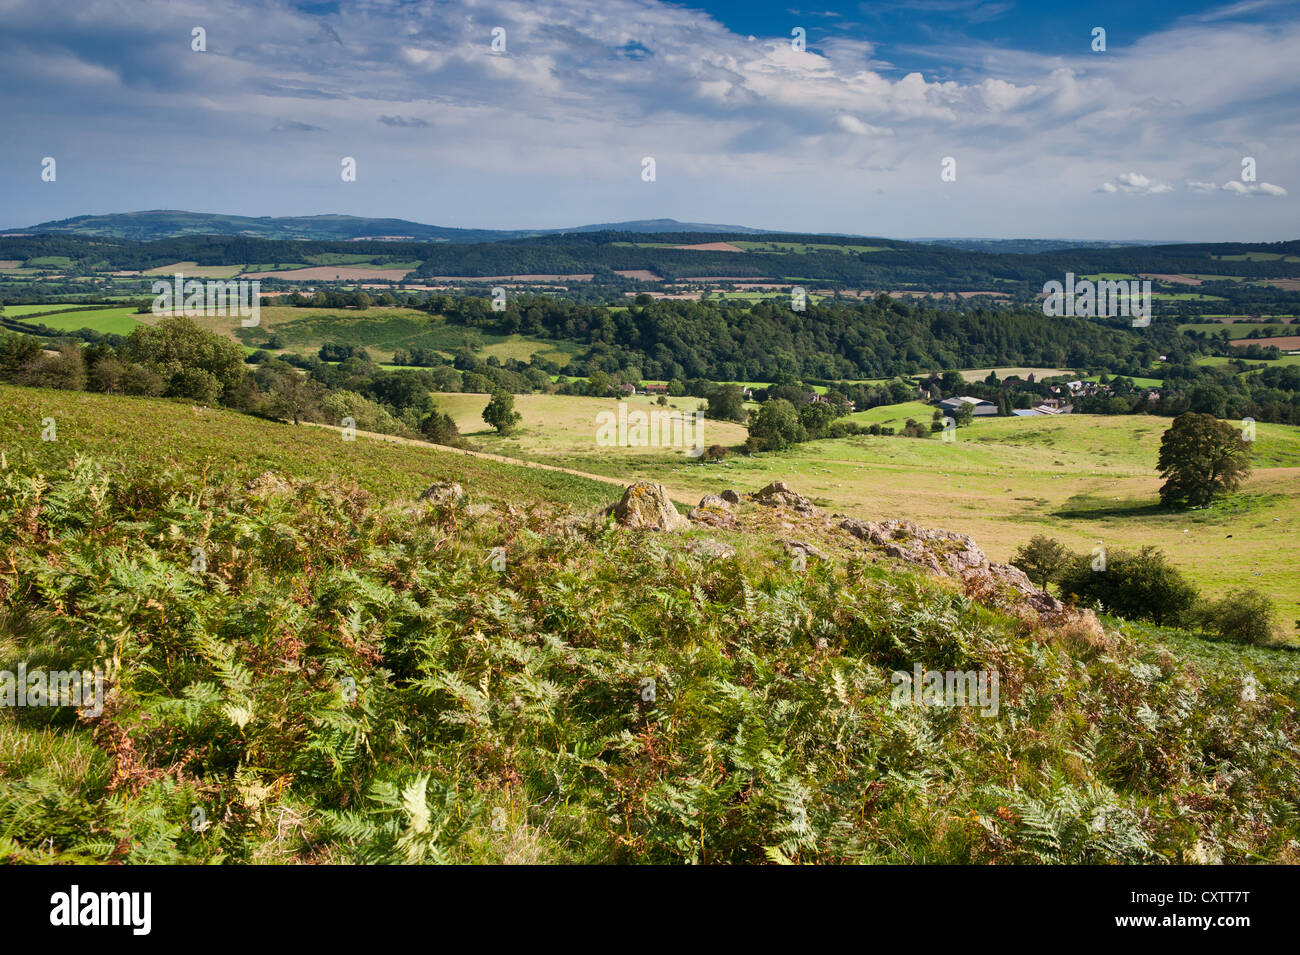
1093, 508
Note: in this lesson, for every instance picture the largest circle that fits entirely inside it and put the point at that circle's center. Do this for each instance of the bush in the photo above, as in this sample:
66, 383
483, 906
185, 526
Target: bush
1141, 586
1244, 616
776, 426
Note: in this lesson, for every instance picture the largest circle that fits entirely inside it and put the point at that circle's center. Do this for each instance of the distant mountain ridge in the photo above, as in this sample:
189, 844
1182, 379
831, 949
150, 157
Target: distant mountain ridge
172, 223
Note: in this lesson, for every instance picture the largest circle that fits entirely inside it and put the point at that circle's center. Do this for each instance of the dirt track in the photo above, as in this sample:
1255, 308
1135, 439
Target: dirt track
681, 497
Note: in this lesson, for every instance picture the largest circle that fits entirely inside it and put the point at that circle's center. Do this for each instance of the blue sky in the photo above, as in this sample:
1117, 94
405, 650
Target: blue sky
1047, 137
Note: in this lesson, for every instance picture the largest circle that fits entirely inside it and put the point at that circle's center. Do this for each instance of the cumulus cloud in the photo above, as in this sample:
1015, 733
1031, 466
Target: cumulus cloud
1253, 188
1135, 183
851, 124
581, 94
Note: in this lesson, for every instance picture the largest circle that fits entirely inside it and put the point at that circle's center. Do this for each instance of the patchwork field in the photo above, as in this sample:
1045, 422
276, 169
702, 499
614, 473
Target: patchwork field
381, 331
337, 273
1284, 342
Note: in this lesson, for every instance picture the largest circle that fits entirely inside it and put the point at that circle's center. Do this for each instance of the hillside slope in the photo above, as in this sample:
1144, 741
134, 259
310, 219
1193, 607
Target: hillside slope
351, 675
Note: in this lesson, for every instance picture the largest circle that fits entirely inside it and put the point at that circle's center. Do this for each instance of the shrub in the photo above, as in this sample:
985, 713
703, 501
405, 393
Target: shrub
1244, 616
1141, 586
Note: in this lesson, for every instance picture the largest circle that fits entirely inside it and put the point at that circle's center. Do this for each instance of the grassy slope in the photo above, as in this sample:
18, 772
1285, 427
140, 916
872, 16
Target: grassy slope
171, 434
509, 708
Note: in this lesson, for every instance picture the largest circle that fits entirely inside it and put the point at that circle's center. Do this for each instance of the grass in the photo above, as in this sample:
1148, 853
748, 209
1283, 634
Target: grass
1219, 361
894, 416
1258, 257
1137, 381
18, 311
165, 434
979, 374
116, 321
1238, 329
556, 427
193, 269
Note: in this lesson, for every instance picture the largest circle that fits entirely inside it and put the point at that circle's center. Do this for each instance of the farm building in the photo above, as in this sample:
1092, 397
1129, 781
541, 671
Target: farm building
979, 407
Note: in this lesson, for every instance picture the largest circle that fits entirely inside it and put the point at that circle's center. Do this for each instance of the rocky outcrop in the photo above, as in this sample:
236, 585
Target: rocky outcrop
778, 494
714, 511
443, 492
957, 555
646, 505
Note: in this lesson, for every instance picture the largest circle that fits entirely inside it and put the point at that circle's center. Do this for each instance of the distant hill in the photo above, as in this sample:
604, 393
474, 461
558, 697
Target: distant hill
1033, 246
173, 223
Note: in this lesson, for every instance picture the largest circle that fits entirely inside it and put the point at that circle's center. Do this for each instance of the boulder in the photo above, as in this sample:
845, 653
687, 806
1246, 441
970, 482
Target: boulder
778, 494
714, 550
714, 511
443, 492
646, 505
790, 546
730, 496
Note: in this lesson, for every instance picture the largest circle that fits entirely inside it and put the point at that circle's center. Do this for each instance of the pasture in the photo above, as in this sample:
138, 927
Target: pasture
1080, 478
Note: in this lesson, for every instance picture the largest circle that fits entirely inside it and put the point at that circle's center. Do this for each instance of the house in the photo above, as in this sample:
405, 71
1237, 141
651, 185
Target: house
656, 389
979, 407
627, 388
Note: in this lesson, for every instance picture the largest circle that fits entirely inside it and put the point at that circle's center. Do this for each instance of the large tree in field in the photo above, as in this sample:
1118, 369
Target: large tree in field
1200, 459
500, 412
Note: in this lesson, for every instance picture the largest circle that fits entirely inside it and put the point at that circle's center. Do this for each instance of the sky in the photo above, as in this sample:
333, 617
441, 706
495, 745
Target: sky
818, 118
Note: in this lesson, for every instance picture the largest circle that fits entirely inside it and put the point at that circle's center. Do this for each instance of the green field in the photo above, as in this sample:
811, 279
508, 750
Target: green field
116, 321
381, 331
1137, 381
18, 311
1238, 329
1220, 361
1258, 257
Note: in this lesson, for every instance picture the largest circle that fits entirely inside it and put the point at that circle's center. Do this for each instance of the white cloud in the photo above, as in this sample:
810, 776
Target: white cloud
1136, 184
1253, 188
851, 124
584, 91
